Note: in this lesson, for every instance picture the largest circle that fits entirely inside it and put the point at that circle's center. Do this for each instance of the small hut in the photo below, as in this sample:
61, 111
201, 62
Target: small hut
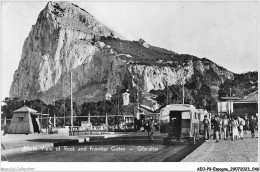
24, 121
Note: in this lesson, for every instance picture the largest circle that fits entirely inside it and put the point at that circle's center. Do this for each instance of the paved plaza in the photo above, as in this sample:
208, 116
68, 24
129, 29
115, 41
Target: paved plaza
245, 150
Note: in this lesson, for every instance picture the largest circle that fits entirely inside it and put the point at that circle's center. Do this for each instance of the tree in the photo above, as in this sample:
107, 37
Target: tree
241, 85
11, 105
161, 98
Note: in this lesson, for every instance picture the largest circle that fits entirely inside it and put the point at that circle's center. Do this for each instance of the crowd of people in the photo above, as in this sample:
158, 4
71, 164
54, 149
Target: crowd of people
235, 127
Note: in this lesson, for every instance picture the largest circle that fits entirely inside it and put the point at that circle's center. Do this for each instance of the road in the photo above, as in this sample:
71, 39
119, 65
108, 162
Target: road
132, 148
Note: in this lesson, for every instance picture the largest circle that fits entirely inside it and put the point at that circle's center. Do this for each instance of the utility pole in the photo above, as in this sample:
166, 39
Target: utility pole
41, 117
47, 128
137, 96
71, 103
64, 120
135, 114
64, 111
167, 99
118, 100
230, 102
182, 89
54, 117
134, 103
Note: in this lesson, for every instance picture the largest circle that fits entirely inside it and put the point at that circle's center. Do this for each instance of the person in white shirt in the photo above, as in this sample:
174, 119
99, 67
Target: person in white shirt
126, 98
234, 124
241, 123
225, 123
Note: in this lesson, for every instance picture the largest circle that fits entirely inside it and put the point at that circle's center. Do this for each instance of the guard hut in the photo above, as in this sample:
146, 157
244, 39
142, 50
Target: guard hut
25, 121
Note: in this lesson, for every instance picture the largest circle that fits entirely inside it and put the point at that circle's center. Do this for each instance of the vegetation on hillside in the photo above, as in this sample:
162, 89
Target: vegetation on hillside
195, 93
241, 85
146, 56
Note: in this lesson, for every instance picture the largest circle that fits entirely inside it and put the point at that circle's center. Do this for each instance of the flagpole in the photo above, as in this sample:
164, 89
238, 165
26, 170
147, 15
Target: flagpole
71, 104
182, 89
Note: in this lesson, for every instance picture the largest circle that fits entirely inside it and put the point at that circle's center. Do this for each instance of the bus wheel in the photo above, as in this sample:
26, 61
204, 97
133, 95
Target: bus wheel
166, 141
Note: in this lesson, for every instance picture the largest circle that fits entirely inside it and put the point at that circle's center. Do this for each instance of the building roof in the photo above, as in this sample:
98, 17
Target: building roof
232, 98
147, 107
253, 97
147, 111
25, 109
180, 107
203, 111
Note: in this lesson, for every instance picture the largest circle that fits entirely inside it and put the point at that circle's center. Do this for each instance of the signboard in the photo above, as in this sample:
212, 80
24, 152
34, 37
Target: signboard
125, 98
85, 124
225, 107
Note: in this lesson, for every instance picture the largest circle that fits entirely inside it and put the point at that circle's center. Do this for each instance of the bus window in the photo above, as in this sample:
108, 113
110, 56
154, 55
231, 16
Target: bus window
186, 115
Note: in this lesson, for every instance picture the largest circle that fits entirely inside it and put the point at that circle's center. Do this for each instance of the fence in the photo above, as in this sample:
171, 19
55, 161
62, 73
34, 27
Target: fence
97, 122
65, 121
5, 122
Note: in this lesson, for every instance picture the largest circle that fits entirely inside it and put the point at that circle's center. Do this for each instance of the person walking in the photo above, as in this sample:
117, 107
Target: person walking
252, 125
230, 127
49, 126
241, 123
220, 128
150, 129
206, 124
256, 124
234, 124
246, 127
225, 123
214, 129
216, 123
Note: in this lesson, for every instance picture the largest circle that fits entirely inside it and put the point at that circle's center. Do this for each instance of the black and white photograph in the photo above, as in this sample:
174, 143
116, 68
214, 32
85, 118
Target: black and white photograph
129, 81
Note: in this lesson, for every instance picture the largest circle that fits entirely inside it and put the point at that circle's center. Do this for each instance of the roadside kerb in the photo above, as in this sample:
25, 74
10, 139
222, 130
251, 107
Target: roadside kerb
22, 149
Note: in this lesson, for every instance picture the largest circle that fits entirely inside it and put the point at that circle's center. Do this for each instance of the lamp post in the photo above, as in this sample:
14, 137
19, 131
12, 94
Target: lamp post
41, 117
167, 99
54, 117
47, 128
182, 79
182, 90
64, 111
118, 99
230, 101
89, 116
71, 104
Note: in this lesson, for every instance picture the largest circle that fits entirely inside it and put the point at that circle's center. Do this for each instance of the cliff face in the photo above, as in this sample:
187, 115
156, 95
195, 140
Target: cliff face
67, 39
62, 40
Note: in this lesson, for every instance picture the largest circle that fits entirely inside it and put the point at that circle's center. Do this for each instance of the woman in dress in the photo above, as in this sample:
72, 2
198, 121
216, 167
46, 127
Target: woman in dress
234, 124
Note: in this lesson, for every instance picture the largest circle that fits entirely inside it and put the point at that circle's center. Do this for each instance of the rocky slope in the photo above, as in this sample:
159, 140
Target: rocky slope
68, 39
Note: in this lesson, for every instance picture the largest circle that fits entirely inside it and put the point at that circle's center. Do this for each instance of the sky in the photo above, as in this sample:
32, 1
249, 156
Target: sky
224, 32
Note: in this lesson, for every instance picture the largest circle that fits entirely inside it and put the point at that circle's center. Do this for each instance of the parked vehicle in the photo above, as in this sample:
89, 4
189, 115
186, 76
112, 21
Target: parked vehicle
179, 121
